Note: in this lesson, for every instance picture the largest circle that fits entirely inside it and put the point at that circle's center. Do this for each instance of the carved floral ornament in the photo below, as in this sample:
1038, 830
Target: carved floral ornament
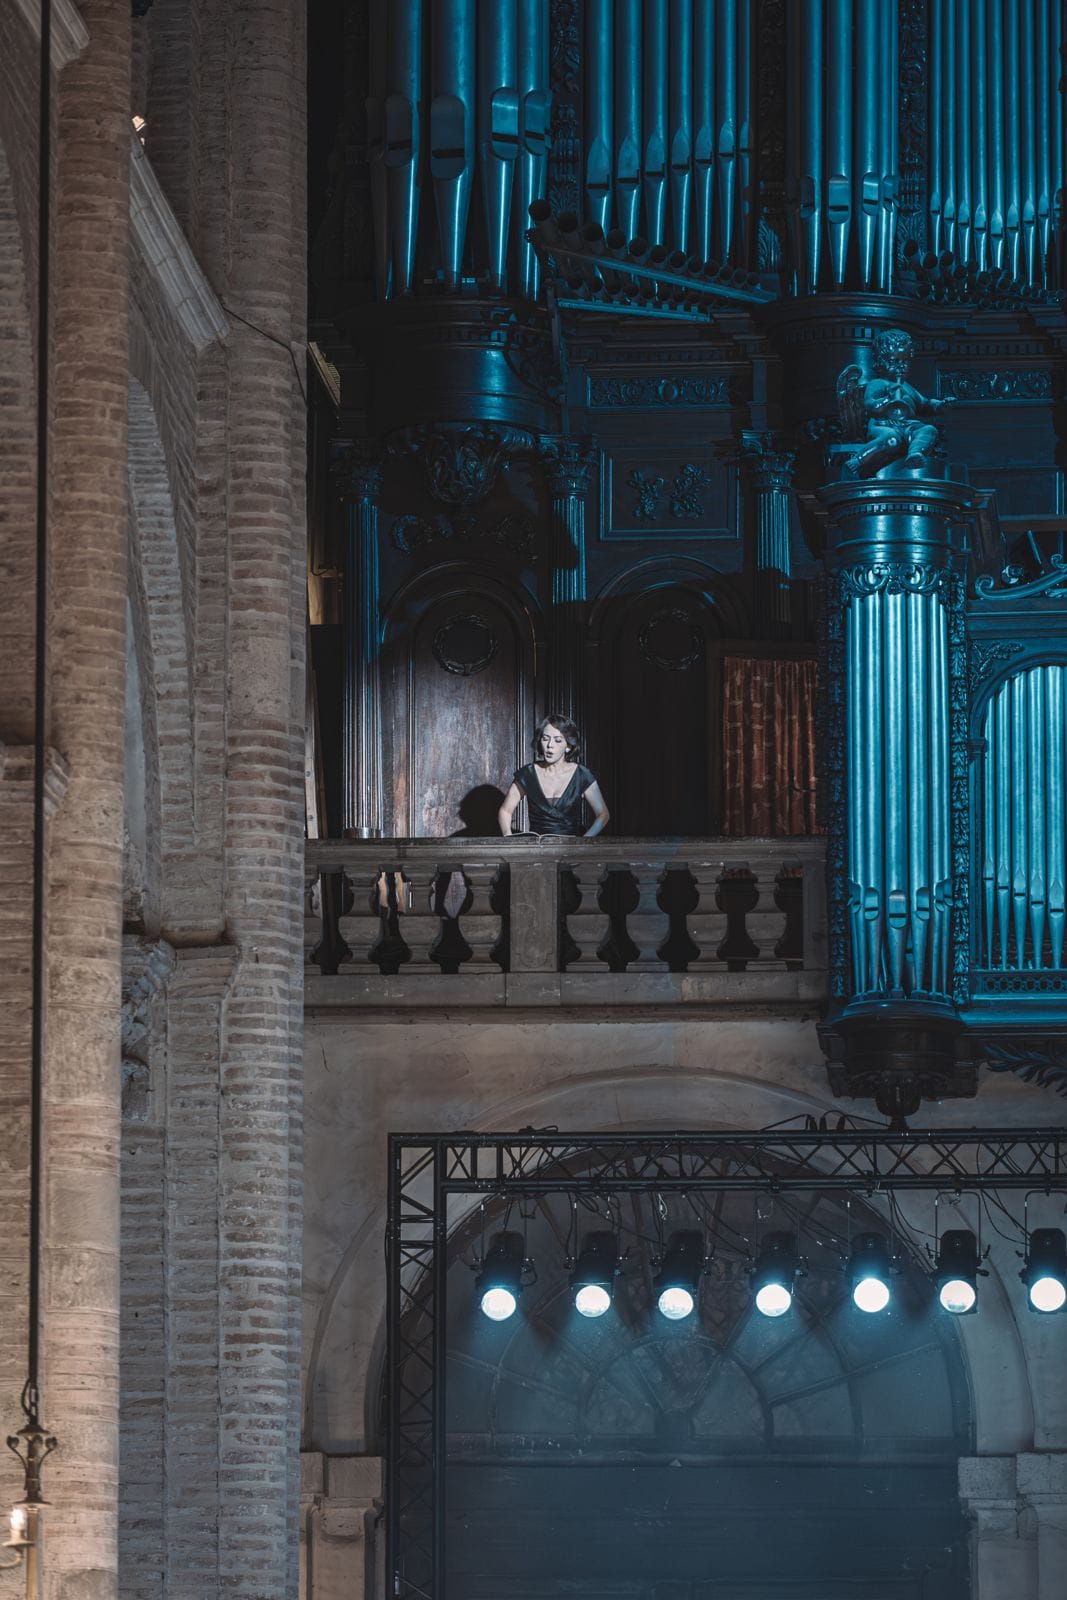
892, 577
465, 644
461, 460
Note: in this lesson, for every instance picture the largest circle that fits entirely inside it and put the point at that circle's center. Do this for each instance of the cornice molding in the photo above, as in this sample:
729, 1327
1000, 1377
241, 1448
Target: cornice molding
158, 236
69, 33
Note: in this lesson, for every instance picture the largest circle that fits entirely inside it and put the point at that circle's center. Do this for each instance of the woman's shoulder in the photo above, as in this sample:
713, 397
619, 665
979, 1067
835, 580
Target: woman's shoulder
523, 774
586, 777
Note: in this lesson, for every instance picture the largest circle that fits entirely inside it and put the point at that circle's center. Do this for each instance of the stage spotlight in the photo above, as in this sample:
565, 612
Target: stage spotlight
957, 1271
774, 1273
679, 1274
1045, 1272
868, 1272
499, 1282
593, 1278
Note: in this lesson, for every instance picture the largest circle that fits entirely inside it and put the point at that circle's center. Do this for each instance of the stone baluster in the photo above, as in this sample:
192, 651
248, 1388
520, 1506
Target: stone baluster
588, 926
360, 923
313, 923
707, 921
648, 925
765, 922
480, 924
420, 923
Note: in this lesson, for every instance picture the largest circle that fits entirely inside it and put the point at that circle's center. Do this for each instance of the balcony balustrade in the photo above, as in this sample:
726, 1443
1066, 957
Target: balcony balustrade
564, 922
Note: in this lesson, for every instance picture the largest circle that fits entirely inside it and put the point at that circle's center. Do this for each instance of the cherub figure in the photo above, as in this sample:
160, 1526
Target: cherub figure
886, 411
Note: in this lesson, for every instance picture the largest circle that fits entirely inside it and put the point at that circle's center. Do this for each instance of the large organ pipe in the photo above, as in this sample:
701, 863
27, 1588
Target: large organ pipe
854, 832
452, 114
1057, 811
1043, 136
865, 134
704, 122
920, 888
1010, 104
1002, 864
989, 839
839, 136
403, 137
726, 121
940, 847
376, 92
895, 871
962, 59
1036, 762
599, 42
979, 144
996, 141
535, 123
1020, 864
937, 179
746, 183
1057, 134
680, 128
654, 162
628, 117
887, 144
498, 125
1027, 133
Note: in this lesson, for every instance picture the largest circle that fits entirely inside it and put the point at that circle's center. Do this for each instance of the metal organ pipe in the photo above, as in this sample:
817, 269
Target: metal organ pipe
839, 136
628, 117
599, 59
654, 162
498, 126
403, 138
535, 131
1024, 825
680, 131
375, 110
452, 117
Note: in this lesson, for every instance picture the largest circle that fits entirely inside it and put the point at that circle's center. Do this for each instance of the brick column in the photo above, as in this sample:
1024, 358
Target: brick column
88, 660
259, 1187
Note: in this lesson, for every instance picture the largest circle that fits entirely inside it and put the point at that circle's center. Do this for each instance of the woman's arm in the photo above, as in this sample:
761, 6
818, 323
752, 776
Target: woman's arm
507, 810
601, 815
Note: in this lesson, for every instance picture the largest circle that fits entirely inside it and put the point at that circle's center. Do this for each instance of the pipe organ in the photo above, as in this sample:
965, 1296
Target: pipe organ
611, 291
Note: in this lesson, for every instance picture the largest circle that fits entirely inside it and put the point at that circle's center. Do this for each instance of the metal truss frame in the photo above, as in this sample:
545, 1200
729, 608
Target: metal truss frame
425, 1170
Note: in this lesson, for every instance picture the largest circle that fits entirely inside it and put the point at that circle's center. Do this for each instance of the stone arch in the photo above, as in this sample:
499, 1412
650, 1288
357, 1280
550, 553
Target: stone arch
18, 452
161, 637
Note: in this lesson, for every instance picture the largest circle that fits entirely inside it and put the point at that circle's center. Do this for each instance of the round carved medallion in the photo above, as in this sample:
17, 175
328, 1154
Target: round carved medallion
671, 639
465, 644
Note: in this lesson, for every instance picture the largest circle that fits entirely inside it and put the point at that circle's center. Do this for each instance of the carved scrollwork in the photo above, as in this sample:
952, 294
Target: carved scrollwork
1042, 1061
465, 644
1052, 584
413, 533
1014, 383
461, 461
984, 656
694, 390
891, 577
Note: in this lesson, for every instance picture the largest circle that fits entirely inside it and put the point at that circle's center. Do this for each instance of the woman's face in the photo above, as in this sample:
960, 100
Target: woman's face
553, 745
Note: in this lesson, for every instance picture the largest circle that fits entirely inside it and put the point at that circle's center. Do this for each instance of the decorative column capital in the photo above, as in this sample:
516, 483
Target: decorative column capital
358, 469
767, 459
568, 463
460, 459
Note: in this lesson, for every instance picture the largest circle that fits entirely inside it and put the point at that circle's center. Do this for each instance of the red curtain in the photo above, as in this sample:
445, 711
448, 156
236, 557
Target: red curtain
768, 730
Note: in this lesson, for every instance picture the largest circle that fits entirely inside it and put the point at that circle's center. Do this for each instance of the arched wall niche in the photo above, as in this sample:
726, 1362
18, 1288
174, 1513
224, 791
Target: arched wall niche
656, 631
458, 659
161, 644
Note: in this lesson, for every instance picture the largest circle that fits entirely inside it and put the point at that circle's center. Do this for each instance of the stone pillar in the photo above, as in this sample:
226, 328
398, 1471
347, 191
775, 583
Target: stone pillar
1042, 1483
568, 468
363, 798
770, 472
258, 1306
1003, 1557
898, 863
341, 1504
88, 663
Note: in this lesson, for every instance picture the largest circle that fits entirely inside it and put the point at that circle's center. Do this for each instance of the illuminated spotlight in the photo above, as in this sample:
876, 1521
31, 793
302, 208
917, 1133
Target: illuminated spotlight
593, 1277
868, 1272
499, 1282
1045, 1272
774, 1273
679, 1274
957, 1271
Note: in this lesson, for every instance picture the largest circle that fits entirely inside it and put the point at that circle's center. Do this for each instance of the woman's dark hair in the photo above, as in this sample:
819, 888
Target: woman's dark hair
567, 728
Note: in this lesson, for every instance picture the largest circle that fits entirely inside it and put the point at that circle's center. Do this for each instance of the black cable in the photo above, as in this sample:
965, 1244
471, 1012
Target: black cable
31, 1398
273, 337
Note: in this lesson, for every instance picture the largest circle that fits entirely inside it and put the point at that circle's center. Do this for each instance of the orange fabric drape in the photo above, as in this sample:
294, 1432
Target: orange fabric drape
768, 728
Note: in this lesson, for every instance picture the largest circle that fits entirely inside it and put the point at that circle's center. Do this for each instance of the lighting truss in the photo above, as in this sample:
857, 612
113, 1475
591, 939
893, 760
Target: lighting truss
426, 1170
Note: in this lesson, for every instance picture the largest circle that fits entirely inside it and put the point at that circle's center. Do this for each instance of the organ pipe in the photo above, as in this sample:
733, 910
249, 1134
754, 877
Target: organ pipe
599, 57
996, 135
403, 137
535, 128
655, 119
681, 119
498, 125
1024, 823
628, 119
897, 737
452, 113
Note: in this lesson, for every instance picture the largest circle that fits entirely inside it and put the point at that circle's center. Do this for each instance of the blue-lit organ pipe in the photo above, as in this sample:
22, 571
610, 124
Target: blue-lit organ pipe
457, 90
899, 889
995, 181
1024, 822
669, 123
842, 180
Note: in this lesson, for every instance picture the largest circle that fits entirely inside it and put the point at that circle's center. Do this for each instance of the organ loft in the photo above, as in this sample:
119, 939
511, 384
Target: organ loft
533, 790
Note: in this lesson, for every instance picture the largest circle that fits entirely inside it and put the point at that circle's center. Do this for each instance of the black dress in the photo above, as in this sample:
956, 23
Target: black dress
562, 815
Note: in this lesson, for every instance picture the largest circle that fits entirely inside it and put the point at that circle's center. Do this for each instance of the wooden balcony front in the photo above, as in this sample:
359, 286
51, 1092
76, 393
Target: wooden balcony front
629, 924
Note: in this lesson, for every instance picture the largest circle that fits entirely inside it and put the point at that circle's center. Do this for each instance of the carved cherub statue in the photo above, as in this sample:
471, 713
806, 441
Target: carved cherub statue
886, 411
